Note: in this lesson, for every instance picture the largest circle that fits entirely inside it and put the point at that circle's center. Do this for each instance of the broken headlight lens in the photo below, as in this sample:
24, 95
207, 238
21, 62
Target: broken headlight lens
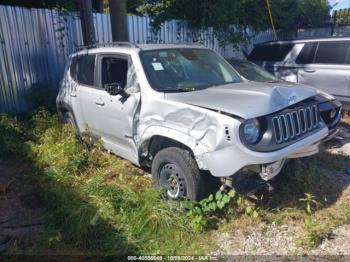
251, 131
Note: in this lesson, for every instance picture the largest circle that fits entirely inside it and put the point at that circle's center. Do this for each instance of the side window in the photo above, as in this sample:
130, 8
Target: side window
73, 68
270, 52
114, 70
307, 54
86, 67
332, 52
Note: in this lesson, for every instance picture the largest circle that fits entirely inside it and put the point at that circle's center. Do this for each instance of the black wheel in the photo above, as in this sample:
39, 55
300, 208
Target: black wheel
69, 119
176, 172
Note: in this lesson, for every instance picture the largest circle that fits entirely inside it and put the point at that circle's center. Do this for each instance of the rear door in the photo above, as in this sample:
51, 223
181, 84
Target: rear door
84, 73
74, 90
324, 65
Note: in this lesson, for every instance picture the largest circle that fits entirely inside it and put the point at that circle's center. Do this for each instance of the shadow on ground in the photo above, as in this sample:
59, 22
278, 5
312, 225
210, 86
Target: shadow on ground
25, 214
323, 176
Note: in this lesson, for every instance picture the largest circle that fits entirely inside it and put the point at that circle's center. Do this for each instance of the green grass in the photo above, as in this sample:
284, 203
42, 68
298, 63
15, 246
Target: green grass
99, 203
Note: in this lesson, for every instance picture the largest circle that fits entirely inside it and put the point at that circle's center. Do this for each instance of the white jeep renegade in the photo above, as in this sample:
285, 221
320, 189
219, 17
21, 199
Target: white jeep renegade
183, 110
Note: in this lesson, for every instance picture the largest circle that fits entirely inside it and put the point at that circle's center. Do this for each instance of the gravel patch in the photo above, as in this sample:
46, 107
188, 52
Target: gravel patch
337, 244
281, 240
272, 240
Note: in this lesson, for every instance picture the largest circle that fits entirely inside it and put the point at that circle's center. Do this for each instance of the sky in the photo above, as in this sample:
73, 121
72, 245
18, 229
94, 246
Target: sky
341, 4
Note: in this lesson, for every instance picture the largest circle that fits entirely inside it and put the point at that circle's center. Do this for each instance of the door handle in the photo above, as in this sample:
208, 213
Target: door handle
309, 70
73, 94
100, 103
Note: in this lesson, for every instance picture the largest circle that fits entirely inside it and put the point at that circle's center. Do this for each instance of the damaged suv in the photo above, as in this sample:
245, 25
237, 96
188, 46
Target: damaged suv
185, 112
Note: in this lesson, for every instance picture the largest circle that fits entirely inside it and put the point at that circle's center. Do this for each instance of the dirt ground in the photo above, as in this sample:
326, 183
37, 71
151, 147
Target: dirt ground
21, 211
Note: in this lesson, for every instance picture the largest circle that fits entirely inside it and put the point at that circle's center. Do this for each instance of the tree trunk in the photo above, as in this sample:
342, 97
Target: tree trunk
119, 20
87, 25
98, 5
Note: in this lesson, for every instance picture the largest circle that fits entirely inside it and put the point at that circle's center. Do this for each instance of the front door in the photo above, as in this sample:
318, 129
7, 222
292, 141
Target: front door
111, 117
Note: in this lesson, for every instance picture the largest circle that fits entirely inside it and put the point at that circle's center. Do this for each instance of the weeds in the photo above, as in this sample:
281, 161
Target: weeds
99, 203
96, 202
310, 202
203, 214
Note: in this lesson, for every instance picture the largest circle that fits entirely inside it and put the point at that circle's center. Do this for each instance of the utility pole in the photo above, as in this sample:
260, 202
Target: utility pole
119, 20
87, 25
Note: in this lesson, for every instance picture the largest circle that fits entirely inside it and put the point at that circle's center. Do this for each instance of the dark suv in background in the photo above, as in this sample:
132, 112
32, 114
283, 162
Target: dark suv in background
321, 63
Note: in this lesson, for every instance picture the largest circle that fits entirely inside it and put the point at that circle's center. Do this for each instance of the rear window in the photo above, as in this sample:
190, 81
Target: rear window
307, 54
273, 52
332, 52
86, 67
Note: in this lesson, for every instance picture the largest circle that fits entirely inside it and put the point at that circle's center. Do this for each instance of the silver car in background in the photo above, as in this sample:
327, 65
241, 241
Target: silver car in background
330, 107
322, 63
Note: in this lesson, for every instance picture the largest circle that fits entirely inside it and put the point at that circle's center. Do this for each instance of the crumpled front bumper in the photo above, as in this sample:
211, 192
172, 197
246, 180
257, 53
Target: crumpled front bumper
227, 161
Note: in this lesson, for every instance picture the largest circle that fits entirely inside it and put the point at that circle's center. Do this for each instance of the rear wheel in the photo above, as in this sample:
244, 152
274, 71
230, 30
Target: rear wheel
175, 171
69, 119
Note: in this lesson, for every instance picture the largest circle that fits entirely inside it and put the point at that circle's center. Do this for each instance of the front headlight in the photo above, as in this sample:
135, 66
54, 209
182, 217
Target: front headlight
251, 131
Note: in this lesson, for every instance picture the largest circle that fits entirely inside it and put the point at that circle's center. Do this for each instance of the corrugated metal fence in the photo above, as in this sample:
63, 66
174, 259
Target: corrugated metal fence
35, 44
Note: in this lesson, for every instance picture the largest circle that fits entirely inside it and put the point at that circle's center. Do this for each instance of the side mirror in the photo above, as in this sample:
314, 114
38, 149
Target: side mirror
115, 89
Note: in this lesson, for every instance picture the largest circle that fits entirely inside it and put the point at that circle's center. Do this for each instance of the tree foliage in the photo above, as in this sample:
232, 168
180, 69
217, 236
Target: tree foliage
289, 15
231, 19
343, 16
50, 4
70, 5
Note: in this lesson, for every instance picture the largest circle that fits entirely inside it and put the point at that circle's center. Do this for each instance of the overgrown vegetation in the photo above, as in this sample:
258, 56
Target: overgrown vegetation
99, 203
42, 96
96, 201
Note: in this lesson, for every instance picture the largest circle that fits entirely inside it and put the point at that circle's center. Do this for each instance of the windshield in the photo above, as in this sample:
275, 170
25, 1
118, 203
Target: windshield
186, 69
252, 72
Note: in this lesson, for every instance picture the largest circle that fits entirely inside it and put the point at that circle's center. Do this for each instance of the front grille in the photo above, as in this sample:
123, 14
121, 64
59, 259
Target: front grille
295, 123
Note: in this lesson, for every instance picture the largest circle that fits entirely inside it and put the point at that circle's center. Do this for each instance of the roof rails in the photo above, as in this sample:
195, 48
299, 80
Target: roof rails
109, 44
306, 38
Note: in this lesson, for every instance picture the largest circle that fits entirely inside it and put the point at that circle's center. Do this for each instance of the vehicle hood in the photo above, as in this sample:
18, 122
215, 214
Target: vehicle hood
247, 99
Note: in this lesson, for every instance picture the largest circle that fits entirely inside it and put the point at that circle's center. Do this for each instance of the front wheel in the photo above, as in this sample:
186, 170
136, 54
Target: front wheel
176, 172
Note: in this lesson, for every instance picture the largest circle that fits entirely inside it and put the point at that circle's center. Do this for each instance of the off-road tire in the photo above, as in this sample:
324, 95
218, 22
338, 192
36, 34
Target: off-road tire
186, 169
68, 118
